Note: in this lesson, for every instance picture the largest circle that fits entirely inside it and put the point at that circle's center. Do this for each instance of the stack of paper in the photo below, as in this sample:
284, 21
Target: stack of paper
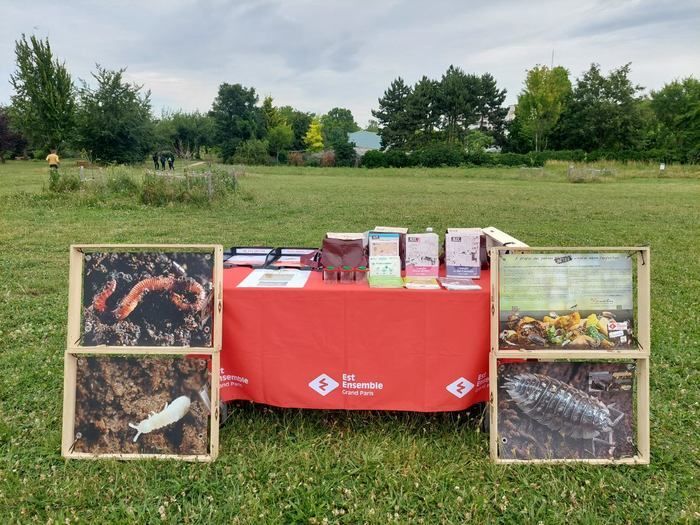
458, 283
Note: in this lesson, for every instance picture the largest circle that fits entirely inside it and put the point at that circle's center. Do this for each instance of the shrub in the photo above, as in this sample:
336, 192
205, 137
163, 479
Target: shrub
295, 158
395, 159
312, 161
436, 155
327, 159
344, 153
63, 182
252, 152
373, 159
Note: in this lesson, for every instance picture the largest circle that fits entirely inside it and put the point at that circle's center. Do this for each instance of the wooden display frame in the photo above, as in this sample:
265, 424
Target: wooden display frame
75, 304
640, 355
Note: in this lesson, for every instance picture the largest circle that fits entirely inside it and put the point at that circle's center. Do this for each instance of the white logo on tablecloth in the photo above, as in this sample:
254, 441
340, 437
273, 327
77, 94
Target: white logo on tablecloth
324, 384
460, 388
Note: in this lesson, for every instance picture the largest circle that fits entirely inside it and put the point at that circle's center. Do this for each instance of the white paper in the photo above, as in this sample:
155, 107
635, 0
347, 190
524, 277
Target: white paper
275, 279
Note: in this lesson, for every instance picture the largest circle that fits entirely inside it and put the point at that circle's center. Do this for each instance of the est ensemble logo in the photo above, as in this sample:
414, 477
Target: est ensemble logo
460, 387
351, 386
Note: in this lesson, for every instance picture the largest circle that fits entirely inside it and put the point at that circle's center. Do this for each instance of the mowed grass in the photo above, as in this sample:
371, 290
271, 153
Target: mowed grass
294, 466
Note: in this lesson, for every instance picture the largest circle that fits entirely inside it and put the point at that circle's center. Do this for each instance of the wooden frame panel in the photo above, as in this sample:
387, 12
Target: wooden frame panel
640, 355
75, 300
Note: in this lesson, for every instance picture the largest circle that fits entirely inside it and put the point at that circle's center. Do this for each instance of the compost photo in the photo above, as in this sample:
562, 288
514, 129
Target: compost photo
147, 299
142, 405
556, 410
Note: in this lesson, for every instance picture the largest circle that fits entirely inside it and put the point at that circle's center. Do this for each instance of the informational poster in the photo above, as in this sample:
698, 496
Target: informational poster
142, 405
147, 299
566, 300
565, 410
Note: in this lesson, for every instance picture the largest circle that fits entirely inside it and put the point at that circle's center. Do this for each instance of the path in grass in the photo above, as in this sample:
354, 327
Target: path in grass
291, 466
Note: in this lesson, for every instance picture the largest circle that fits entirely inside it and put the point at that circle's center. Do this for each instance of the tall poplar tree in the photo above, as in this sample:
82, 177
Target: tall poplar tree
43, 105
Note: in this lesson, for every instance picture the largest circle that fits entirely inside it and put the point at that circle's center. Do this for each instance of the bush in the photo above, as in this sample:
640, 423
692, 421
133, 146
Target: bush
396, 159
436, 155
252, 152
344, 153
373, 159
63, 182
327, 159
120, 182
295, 158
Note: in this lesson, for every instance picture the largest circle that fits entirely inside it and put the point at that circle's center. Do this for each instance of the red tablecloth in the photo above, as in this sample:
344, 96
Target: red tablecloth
353, 347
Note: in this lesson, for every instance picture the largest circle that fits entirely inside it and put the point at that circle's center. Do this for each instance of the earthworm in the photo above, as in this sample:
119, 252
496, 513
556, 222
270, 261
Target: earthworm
100, 300
171, 413
133, 298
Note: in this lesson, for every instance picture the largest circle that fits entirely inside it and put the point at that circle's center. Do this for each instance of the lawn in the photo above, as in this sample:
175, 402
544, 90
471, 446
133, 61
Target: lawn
288, 466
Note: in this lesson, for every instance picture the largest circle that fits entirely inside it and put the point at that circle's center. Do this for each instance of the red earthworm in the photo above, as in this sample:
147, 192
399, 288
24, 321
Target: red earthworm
133, 298
193, 287
100, 300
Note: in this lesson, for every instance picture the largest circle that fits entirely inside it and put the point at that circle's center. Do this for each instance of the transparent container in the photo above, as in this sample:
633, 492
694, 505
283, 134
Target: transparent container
361, 274
347, 275
330, 275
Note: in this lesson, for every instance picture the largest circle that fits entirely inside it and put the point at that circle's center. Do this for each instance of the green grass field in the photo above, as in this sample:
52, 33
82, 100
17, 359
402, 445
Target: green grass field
293, 466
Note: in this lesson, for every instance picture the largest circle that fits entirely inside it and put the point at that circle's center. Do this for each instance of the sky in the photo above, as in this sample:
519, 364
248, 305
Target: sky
316, 55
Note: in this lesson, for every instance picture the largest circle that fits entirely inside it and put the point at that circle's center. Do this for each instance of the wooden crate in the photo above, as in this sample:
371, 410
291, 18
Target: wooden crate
640, 355
74, 348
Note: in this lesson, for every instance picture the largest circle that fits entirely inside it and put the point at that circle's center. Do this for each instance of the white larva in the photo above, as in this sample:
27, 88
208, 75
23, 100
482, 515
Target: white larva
171, 413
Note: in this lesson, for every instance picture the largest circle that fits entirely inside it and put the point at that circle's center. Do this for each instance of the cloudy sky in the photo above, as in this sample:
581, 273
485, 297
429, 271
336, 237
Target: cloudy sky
316, 55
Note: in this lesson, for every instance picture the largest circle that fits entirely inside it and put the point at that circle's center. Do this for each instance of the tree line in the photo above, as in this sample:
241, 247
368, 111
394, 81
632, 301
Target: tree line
600, 114
108, 119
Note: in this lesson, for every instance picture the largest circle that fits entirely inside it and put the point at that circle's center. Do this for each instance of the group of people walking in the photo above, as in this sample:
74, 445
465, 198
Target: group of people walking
163, 158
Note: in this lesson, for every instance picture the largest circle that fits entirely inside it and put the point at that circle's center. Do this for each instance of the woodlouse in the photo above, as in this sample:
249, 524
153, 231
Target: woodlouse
560, 406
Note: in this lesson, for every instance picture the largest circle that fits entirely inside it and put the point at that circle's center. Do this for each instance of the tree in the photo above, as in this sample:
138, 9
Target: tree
542, 102
457, 101
489, 107
43, 106
236, 118
11, 142
422, 112
253, 151
337, 123
314, 136
114, 119
477, 141
271, 115
372, 126
345, 154
185, 133
604, 113
300, 122
677, 109
394, 128
280, 138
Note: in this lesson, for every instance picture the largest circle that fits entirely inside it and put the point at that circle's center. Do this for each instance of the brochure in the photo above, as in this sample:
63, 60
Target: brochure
422, 251
385, 265
462, 252
458, 283
421, 283
383, 244
275, 279
385, 281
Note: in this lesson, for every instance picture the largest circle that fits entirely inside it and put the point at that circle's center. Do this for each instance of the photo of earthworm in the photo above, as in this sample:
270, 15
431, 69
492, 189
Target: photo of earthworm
574, 330
564, 410
147, 299
142, 405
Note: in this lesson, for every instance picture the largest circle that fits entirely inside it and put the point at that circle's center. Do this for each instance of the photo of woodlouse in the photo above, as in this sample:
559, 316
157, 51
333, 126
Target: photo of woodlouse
565, 410
147, 299
142, 405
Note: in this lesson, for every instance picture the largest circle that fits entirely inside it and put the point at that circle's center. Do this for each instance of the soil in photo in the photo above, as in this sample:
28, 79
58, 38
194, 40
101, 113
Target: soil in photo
147, 299
538, 418
113, 391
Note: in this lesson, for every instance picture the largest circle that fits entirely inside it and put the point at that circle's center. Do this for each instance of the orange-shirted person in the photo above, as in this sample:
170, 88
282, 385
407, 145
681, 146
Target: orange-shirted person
53, 160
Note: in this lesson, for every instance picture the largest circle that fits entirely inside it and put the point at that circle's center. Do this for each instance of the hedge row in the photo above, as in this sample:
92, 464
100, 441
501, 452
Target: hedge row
448, 155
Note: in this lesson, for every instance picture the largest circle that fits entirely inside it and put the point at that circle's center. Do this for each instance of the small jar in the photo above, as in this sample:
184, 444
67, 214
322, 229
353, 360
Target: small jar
347, 276
330, 275
361, 274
